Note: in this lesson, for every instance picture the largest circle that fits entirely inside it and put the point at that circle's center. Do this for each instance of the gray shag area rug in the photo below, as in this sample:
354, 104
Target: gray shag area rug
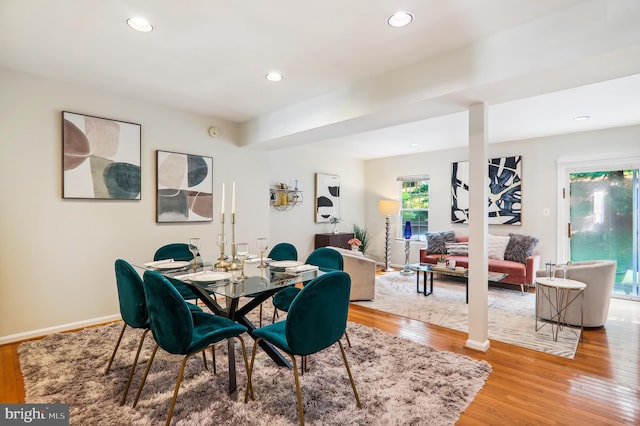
511, 313
400, 382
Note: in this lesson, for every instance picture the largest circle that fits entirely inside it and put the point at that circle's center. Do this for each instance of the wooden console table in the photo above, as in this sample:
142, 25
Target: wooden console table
334, 240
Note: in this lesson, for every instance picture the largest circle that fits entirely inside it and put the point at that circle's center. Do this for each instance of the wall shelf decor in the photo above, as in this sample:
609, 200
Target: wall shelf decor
282, 198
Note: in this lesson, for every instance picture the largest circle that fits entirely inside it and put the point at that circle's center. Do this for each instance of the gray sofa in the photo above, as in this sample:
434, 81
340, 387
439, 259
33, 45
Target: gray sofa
599, 276
362, 272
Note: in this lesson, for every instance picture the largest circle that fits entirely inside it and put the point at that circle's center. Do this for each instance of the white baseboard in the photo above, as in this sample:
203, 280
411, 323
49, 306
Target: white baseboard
478, 346
57, 329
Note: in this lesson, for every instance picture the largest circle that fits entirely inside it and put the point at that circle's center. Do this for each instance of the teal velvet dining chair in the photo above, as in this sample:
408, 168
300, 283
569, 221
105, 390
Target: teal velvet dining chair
316, 320
283, 251
179, 331
323, 257
133, 309
177, 251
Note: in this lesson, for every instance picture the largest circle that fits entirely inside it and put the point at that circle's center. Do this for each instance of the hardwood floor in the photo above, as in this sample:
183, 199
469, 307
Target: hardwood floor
599, 387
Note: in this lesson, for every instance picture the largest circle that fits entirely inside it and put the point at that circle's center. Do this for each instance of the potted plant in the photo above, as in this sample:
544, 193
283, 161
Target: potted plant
441, 261
361, 233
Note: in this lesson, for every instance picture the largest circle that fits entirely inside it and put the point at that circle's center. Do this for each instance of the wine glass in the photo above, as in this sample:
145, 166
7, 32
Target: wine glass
262, 245
194, 248
565, 266
242, 252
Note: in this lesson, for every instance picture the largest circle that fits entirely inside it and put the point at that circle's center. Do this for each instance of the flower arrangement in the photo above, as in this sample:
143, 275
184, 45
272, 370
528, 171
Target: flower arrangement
334, 220
361, 233
354, 242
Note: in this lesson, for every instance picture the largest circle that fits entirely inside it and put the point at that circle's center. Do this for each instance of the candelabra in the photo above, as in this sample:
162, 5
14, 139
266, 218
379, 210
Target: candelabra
222, 263
233, 265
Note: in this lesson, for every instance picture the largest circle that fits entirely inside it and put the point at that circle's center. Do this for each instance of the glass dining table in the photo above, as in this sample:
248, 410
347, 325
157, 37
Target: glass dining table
258, 286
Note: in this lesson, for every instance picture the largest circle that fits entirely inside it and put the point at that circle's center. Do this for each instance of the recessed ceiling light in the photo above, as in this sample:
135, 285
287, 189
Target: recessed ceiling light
273, 76
400, 19
581, 118
139, 24
414, 144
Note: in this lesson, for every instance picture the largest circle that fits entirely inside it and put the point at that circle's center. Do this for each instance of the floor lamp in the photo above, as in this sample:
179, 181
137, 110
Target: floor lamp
388, 208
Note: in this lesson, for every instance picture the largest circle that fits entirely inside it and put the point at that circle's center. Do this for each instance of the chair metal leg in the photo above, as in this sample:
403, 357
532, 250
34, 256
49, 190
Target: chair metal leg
275, 314
249, 388
260, 313
298, 393
346, 335
176, 389
213, 356
133, 367
144, 376
246, 367
113, 355
204, 359
353, 384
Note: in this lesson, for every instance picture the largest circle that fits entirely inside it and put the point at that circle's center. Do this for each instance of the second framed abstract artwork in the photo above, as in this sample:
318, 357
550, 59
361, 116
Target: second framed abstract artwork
327, 203
184, 187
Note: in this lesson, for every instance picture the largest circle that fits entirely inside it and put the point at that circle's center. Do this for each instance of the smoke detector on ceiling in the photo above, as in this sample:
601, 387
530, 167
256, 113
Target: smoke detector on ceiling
213, 131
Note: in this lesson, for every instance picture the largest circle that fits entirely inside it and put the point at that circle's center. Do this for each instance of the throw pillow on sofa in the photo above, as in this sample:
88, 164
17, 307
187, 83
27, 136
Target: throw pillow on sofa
496, 246
458, 249
437, 241
520, 247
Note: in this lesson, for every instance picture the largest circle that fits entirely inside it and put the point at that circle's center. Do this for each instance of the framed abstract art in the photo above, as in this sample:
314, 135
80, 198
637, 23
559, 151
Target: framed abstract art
505, 191
327, 201
184, 187
101, 158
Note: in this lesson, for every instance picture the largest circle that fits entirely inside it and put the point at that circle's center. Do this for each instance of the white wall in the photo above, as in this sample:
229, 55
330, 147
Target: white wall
297, 226
539, 186
56, 255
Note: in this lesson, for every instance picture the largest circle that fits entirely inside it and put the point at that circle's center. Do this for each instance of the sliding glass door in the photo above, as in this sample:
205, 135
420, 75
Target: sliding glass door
603, 222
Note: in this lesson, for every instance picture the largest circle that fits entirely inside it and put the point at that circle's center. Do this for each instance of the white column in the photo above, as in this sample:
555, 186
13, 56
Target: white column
478, 227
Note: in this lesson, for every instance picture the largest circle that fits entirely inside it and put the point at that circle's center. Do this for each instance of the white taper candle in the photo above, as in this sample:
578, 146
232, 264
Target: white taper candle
222, 202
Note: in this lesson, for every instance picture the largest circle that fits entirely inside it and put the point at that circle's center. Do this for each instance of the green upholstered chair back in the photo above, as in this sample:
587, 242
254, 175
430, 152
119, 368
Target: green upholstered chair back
171, 320
133, 306
176, 251
326, 258
283, 251
317, 316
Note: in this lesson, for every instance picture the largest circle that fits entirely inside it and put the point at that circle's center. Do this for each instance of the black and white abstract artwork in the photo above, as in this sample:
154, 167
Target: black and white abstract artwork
327, 203
505, 191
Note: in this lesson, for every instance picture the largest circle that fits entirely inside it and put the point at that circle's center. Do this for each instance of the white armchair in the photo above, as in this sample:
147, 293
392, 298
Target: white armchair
599, 276
362, 272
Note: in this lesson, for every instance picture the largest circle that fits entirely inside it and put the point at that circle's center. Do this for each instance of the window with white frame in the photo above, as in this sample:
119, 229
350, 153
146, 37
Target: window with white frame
414, 206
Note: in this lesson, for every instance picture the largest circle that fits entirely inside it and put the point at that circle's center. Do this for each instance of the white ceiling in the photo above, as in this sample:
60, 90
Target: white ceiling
210, 57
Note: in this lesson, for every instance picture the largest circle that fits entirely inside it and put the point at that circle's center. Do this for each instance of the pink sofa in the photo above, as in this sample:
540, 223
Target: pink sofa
518, 273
